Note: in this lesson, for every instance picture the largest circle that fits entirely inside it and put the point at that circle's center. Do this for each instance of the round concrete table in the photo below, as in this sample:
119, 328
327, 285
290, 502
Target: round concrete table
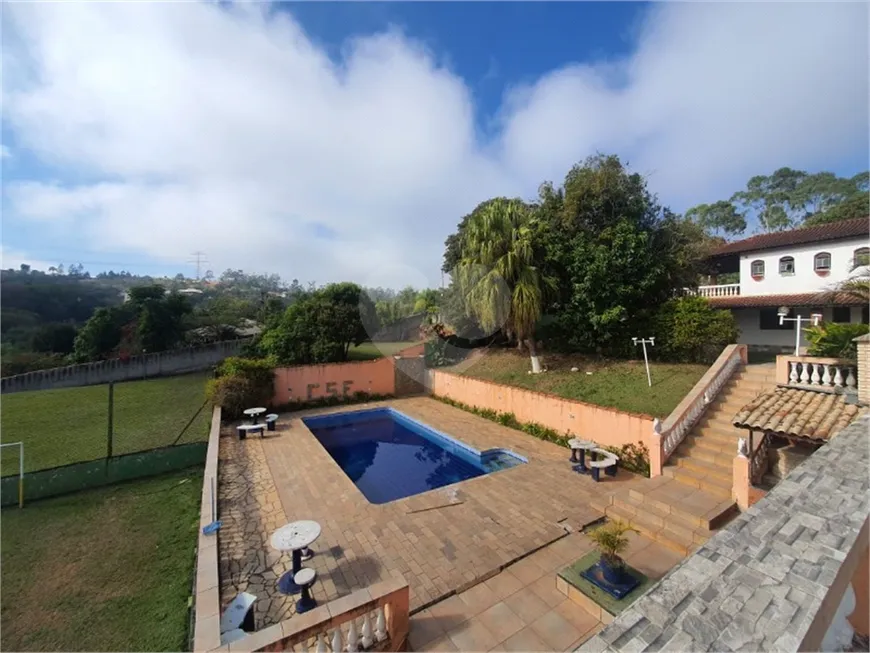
254, 413
582, 446
294, 537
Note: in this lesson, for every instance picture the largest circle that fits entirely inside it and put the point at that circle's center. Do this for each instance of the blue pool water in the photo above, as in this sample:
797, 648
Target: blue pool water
389, 456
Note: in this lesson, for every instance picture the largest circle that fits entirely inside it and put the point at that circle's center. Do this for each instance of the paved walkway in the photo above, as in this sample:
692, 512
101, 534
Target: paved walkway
520, 608
441, 542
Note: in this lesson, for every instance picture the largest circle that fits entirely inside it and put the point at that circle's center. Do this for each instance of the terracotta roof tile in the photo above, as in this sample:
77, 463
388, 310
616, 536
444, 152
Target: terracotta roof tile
855, 228
798, 413
810, 299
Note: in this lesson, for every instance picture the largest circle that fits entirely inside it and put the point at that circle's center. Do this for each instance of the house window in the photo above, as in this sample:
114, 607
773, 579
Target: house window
786, 265
842, 314
865, 315
768, 320
822, 263
756, 269
862, 256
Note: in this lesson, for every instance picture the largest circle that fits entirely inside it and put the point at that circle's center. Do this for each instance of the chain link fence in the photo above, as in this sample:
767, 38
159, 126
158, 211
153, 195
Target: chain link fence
86, 436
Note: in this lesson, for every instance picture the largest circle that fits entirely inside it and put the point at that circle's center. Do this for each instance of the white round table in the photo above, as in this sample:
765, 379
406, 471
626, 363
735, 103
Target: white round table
582, 446
254, 413
294, 537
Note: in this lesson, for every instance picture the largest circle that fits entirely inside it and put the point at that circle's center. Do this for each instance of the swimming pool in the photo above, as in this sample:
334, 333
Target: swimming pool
389, 455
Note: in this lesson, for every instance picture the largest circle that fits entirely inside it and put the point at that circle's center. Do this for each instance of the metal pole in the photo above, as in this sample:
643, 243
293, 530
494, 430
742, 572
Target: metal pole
21, 475
111, 420
646, 363
797, 336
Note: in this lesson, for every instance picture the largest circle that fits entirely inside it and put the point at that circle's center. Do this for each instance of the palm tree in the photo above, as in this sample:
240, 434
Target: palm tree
500, 282
857, 286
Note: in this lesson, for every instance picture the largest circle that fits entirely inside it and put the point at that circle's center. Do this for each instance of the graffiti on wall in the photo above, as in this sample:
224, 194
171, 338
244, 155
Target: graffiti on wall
331, 390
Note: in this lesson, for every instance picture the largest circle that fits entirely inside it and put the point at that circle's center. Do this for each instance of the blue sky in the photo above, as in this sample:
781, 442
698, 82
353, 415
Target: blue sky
330, 141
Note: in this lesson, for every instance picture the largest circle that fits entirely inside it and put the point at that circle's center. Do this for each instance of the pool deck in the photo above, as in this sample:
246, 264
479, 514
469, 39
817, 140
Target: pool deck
443, 542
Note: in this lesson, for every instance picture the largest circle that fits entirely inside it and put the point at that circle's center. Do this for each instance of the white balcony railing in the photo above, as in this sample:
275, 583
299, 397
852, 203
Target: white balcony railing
832, 374
724, 290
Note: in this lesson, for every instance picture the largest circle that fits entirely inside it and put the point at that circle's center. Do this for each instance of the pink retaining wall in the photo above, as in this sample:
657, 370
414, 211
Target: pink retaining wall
606, 426
307, 382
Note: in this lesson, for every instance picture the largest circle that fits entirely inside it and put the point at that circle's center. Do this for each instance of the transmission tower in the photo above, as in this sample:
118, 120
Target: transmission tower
198, 259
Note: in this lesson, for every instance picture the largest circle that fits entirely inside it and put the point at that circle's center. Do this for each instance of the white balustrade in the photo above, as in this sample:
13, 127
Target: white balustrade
381, 626
722, 290
804, 372
674, 433
352, 640
367, 639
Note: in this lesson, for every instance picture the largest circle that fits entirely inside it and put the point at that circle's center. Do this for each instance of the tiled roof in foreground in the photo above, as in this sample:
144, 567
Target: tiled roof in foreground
798, 413
758, 584
854, 228
810, 299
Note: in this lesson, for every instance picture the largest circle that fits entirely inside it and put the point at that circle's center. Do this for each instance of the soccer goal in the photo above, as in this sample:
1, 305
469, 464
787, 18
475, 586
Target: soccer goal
20, 447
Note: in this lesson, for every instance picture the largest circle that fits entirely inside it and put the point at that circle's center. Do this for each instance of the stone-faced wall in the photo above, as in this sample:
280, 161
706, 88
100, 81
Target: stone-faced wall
864, 368
779, 577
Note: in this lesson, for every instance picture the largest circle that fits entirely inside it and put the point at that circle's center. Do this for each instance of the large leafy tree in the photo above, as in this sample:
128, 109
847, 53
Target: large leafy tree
720, 218
785, 199
497, 272
322, 326
617, 254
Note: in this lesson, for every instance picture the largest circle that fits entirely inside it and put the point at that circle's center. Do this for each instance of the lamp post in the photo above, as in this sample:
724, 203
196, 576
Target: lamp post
813, 319
643, 342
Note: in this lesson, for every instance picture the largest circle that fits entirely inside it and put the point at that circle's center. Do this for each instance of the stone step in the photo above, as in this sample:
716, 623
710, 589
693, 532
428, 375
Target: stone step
753, 378
656, 514
650, 528
721, 420
739, 392
716, 457
710, 484
719, 432
724, 471
665, 494
705, 448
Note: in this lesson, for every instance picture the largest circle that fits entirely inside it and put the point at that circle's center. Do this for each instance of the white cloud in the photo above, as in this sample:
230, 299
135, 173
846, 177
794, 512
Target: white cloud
227, 130
13, 258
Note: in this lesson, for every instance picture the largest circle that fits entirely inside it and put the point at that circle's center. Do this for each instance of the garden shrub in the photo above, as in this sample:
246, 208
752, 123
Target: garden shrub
633, 457
241, 383
834, 340
690, 330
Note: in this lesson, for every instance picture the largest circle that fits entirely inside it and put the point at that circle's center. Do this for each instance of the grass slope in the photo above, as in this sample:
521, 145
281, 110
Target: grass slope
108, 569
615, 384
69, 425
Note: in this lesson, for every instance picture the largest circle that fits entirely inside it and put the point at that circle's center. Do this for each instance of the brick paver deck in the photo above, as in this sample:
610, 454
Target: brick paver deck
441, 542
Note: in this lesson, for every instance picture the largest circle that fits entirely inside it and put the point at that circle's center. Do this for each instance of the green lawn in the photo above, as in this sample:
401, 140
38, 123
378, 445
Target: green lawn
616, 384
70, 424
372, 350
108, 569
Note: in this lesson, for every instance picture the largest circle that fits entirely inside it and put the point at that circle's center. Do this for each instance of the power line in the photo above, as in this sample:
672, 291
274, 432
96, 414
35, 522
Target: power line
199, 259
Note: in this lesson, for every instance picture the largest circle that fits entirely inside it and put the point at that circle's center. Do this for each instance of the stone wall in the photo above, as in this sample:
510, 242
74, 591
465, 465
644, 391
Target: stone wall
168, 363
784, 575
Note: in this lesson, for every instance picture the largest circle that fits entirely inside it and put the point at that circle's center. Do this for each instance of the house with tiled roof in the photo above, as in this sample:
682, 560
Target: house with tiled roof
797, 270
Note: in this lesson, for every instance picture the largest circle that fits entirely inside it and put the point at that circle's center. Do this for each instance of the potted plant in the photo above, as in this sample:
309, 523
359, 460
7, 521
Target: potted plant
612, 540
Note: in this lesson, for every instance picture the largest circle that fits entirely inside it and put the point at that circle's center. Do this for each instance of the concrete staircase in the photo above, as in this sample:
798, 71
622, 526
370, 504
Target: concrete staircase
704, 460
682, 508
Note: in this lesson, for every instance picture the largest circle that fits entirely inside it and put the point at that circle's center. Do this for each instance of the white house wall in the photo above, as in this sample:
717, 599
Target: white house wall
748, 321
805, 279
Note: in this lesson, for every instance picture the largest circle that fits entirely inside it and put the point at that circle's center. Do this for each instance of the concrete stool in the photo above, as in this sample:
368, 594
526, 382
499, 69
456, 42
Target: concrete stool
304, 578
271, 421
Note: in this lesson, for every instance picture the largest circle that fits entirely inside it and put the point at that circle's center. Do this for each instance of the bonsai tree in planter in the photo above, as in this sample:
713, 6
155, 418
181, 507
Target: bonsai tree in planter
612, 540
